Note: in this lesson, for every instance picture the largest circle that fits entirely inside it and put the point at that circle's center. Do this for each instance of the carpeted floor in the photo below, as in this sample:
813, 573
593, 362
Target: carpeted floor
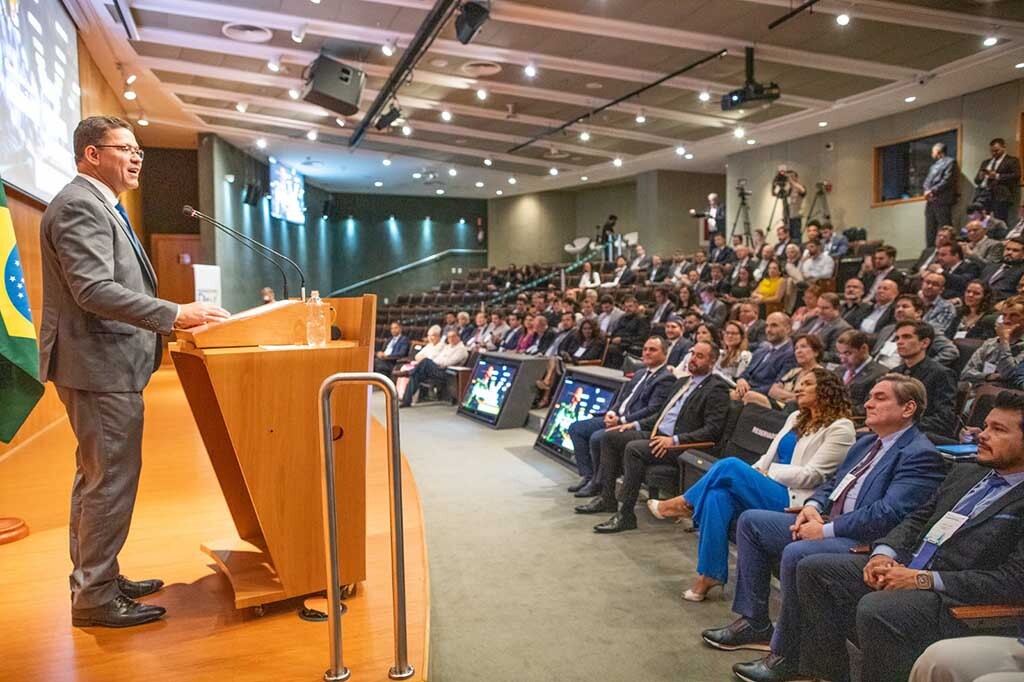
522, 589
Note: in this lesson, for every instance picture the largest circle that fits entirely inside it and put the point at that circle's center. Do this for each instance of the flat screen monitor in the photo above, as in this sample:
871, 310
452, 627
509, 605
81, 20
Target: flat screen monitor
488, 389
40, 98
287, 194
580, 396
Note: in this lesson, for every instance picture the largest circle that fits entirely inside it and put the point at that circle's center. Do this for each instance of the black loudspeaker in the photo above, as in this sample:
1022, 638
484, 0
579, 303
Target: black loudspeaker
334, 86
472, 16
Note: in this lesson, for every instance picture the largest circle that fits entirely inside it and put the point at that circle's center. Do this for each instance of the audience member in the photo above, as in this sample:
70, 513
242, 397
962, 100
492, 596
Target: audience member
809, 307
997, 179
720, 253
979, 248
394, 350
998, 358
663, 306
494, 279
882, 311
718, 282
956, 270
755, 326
744, 259
975, 317
1003, 279
886, 475
590, 277
930, 254
940, 191
771, 360
910, 308
826, 324
853, 308
641, 260
516, 331
700, 266
705, 333
971, 659
807, 350
659, 271
877, 268
610, 315
629, 333
694, 414
783, 240
791, 263
857, 370
541, 339
678, 345
451, 323
835, 245
816, 263
913, 339
956, 548
742, 285
475, 341
622, 276
714, 311
994, 227
761, 266
432, 368
771, 289
734, 356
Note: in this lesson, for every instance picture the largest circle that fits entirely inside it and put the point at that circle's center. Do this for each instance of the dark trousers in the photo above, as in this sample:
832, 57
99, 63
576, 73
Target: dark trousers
795, 224
385, 367
638, 456
891, 628
108, 427
613, 449
586, 437
763, 540
1001, 210
425, 370
935, 216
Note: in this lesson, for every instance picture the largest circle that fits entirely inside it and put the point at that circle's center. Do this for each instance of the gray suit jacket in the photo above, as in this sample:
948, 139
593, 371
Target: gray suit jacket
101, 320
942, 179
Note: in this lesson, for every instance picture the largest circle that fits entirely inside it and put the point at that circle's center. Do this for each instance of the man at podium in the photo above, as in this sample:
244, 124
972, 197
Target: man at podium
99, 344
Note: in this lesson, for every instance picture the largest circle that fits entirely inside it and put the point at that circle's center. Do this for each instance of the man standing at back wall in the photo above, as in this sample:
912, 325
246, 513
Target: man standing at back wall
99, 344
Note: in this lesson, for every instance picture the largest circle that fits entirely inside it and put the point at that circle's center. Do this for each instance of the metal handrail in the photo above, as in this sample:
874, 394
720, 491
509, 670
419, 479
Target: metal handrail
408, 266
338, 672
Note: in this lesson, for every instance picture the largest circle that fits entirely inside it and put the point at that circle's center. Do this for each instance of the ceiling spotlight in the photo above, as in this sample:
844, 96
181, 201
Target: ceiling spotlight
311, 136
481, 94
293, 93
823, 124
261, 143
438, 191
910, 99
739, 133
143, 121
242, 107
704, 96
299, 34
407, 130
687, 156
274, 64
478, 184
584, 178
388, 117
498, 192
271, 159
617, 162
843, 19
378, 183
340, 121
512, 181
130, 94
530, 70
680, 150
640, 118
552, 171
417, 175
488, 162
386, 161
446, 116
1019, 66
584, 136
389, 47
452, 172
131, 79
990, 41
751, 141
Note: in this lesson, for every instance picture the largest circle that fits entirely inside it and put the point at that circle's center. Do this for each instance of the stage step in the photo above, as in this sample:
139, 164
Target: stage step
536, 419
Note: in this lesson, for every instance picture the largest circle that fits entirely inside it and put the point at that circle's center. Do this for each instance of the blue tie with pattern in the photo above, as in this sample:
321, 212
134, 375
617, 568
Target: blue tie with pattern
135, 240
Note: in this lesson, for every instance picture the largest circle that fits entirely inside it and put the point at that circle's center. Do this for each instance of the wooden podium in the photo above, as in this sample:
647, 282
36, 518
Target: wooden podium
252, 385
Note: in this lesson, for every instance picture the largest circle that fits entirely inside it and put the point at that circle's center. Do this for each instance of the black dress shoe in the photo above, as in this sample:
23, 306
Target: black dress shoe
771, 668
598, 505
136, 589
617, 524
120, 612
578, 485
740, 634
590, 489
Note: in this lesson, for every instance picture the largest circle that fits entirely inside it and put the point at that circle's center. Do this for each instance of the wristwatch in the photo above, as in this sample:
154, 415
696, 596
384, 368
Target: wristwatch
924, 580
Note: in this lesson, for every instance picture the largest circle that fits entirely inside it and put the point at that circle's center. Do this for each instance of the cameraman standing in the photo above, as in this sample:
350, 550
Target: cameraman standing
787, 187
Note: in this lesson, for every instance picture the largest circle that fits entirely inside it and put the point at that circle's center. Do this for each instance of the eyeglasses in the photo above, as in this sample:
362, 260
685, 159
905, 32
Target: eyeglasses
126, 148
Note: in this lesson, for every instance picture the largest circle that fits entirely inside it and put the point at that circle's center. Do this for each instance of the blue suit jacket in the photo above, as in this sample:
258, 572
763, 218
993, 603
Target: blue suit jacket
906, 477
511, 339
651, 398
401, 348
767, 365
680, 349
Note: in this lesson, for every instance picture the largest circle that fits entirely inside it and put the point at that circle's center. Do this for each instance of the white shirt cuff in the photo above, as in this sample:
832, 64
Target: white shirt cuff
884, 550
828, 530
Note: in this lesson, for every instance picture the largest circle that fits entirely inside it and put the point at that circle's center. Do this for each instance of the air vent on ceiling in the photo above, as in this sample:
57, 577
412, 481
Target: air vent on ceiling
480, 69
247, 33
553, 153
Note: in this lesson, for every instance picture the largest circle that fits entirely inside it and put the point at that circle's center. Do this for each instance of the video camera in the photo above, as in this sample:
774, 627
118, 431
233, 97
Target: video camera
741, 188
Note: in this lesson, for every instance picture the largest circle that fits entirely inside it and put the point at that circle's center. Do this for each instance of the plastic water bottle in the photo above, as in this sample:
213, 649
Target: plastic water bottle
316, 320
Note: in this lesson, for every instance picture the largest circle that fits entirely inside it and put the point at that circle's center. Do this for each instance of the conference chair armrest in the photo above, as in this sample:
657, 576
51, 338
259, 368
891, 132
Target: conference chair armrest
589, 363
987, 612
699, 445
861, 549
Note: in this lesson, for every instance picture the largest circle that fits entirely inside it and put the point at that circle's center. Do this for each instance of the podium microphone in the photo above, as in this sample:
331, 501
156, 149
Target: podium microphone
253, 245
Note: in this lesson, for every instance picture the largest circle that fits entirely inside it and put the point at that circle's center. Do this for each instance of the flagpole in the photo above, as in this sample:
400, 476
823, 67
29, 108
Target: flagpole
12, 529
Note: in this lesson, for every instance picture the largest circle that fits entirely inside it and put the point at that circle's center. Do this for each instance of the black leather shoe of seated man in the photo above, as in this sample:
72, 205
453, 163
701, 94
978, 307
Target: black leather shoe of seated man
598, 505
740, 634
119, 612
578, 485
134, 589
617, 524
771, 668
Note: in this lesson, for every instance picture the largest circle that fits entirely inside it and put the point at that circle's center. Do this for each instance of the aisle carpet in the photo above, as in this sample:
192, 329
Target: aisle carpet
522, 589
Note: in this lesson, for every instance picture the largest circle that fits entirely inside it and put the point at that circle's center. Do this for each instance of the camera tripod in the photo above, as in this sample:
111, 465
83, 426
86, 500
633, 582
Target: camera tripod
743, 212
826, 214
779, 192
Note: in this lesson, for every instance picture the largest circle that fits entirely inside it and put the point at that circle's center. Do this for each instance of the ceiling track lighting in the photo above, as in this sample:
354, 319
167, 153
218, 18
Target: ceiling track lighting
389, 47
274, 64
299, 33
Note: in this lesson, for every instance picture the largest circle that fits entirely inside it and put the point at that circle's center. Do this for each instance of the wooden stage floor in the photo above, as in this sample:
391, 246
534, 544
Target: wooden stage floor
202, 637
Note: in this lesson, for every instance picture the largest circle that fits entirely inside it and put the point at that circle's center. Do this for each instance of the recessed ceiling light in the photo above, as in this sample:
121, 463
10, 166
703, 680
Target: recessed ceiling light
407, 130
439, 63
617, 162
311, 136
378, 183
488, 162
130, 94
680, 150
261, 143
452, 172
688, 156
640, 118
143, 121
739, 133
386, 161
843, 19
340, 121
751, 141
293, 93
530, 70
417, 175
131, 79
274, 64
241, 107
704, 96
822, 124
271, 159
584, 178
498, 192
990, 41
388, 48
481, 94
552, 171
438, 191
446, 116
478, 184
1019, 66
584, 136
910, 99
512, 181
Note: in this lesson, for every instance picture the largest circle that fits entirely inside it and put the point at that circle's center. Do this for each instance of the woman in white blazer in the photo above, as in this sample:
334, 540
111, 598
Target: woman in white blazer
807, 450
589, 279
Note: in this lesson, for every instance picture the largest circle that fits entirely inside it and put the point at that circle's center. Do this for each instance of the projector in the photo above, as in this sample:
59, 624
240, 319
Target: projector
750, 92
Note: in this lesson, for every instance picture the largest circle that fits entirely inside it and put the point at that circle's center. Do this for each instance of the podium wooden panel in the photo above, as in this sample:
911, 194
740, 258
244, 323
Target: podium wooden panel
254, 394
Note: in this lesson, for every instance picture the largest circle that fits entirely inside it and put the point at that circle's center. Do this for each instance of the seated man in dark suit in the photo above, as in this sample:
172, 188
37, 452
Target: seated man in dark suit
514, 334
964, 546
715, 312
887, 474
857, 370
663, 306
544, 336
678, 345
659, 270
771, 360
749, 317
643, 396
394, 350
1002, 279
958, 271
852, 308
720, 253
826, 324
912, 341
694, 413
629, 333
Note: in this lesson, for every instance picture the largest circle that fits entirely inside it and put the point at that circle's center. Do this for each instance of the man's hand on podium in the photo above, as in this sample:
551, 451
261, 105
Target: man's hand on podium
199, 312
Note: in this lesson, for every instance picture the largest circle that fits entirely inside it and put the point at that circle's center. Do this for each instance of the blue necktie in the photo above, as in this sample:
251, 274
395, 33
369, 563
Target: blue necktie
135, 240
965, 506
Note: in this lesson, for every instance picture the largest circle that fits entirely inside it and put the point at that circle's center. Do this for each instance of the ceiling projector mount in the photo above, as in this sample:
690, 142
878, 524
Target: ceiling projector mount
752, 91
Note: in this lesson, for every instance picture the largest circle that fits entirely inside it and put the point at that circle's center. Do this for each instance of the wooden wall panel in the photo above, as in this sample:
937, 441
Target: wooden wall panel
173, 256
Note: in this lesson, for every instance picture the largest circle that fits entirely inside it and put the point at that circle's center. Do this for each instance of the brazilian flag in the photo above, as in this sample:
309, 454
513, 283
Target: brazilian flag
20, 389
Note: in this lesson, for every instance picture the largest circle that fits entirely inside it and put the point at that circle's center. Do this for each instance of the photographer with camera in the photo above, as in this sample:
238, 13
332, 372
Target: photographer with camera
786, 186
